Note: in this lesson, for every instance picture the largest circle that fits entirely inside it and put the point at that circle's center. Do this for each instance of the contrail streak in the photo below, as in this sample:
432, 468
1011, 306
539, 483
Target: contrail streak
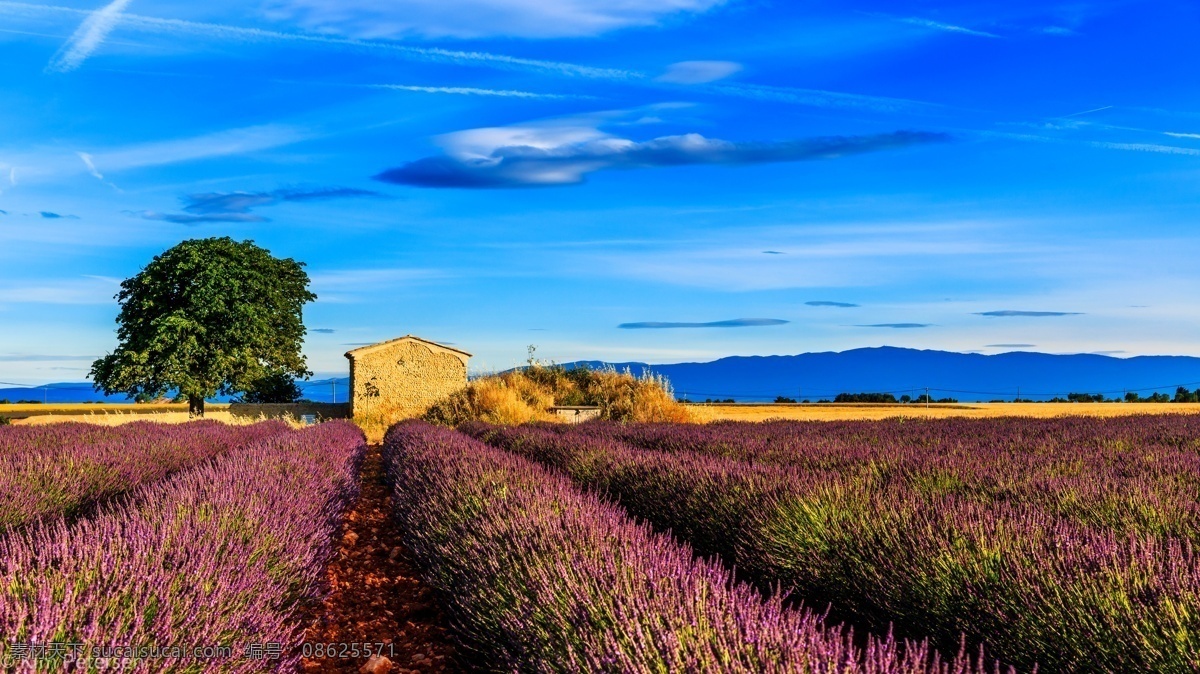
88, 37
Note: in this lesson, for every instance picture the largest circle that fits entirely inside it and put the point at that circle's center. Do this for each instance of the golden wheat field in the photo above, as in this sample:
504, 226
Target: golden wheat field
704, 413
700, 413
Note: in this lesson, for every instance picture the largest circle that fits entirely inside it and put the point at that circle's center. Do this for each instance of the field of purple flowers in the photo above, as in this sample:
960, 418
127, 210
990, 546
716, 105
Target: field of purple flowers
61, 469
953, 546
230, 550
1067, 543
538, 575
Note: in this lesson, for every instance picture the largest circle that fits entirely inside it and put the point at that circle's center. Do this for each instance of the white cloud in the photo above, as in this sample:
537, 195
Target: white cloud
564, 151
699, 72
479, 18
949, 28
88, 37
219, 144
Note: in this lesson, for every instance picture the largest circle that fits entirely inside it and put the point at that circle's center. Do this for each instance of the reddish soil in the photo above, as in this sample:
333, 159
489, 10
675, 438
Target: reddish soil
377, 595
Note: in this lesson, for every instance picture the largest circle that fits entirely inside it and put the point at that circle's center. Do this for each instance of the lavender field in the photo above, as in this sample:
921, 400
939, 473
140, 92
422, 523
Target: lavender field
1062, 544
219, 541
917, 546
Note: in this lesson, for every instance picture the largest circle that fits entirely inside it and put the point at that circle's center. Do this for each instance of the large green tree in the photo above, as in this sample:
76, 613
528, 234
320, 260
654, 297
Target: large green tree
207, 317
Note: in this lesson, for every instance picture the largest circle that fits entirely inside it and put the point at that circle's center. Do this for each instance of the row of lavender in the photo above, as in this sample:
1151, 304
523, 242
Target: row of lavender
539, 576
1030, 585
62, 469
229, 554
1132, 474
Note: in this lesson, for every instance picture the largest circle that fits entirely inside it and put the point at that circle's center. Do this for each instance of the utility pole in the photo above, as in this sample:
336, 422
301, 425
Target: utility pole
333, 387
926, 397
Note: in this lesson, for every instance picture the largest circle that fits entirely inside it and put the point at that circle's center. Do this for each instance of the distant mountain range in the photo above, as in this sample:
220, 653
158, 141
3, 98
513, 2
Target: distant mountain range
963, 376
321, 391
816, 376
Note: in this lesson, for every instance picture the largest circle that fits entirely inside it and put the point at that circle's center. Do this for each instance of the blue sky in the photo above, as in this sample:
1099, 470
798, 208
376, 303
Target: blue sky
655, 180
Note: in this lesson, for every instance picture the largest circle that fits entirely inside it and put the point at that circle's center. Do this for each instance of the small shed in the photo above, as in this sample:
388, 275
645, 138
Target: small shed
402, 377
575, 414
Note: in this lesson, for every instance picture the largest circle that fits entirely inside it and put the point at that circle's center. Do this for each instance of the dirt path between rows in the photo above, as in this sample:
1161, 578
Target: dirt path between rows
377, 596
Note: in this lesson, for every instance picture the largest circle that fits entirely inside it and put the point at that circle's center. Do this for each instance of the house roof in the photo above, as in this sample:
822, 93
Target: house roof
364, 350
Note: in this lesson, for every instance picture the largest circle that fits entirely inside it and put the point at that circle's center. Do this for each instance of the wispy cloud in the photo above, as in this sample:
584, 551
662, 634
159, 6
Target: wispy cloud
236, 206
242, 202
479, 18
217, 144
819, 98
323, 331
699, 72
88, 37
553, 155
1104, 145
40, 358
898, 326
91, 167
134, 22
774, 252
59, 291
189, 219
50, 215
1173, 134
828, 303
474, 91
733, 323
949, 28
1009, 313
1010, 346
347, 286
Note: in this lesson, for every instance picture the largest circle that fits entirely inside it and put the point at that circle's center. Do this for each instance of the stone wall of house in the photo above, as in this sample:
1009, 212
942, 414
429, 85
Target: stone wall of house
403, 379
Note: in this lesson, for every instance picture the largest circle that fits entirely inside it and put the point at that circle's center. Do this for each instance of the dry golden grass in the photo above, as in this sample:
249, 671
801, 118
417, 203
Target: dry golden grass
522, 396
867, 411
115, 415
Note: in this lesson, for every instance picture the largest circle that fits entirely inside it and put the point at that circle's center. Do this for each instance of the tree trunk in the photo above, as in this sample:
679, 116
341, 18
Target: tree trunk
195, 407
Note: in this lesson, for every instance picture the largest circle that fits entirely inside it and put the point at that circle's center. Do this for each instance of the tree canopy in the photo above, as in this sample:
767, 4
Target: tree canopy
208, 317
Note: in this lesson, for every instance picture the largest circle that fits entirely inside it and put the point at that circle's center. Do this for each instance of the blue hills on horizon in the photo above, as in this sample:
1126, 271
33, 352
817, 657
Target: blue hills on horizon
967, 377
60, 393
964, 376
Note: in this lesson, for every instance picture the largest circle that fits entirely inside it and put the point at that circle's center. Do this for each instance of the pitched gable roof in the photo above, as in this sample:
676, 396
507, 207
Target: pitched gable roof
364, 350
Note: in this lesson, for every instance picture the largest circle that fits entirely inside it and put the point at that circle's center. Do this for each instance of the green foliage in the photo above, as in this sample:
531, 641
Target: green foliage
1182, 395
784, 399
865, 398
276, 387
5, 421
207, 317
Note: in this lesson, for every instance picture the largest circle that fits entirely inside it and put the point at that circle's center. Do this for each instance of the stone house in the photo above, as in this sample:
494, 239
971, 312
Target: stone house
402, 377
